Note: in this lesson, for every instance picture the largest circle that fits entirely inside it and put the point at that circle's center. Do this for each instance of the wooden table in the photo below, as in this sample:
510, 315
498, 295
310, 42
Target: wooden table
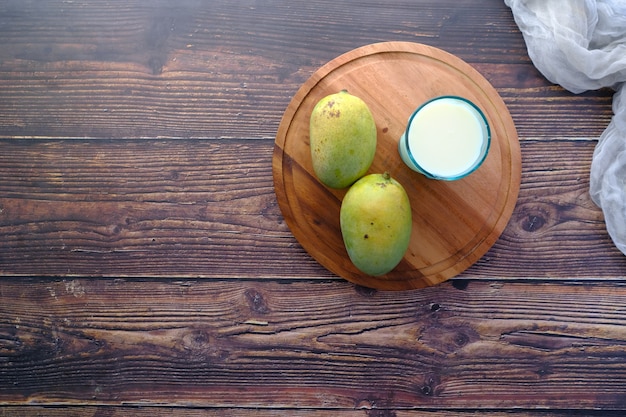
146, 268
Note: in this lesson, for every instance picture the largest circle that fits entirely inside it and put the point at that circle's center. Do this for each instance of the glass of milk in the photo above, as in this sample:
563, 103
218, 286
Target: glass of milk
447, 138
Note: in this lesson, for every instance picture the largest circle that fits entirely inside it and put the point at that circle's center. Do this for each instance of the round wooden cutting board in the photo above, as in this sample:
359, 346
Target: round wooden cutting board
454, 223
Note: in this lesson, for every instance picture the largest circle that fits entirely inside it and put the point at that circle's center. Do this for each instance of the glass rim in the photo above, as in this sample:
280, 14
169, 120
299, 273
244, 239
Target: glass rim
476, 163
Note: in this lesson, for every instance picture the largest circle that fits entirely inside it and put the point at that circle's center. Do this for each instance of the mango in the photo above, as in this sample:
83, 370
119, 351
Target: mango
343, 139
376, 223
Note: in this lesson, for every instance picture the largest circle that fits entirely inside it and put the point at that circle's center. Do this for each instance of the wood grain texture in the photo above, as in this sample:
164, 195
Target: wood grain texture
325, 346
188, 208
145, 267
162, 411
133, 70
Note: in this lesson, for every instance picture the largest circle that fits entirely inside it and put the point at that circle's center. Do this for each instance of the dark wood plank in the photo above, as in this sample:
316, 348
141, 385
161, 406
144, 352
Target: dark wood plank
135, 145
207, 70
114, 411
476, 344
190, 208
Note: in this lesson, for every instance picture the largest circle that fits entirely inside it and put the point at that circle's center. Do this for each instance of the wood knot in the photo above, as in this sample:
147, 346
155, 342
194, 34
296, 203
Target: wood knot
429, 386
460, 284
533, 222
544, 370
199, 345
536, 216
365, 291
446, 339
256, 301
461, 339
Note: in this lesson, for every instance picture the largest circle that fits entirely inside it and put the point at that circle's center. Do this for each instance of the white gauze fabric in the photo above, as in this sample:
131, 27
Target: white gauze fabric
581, 45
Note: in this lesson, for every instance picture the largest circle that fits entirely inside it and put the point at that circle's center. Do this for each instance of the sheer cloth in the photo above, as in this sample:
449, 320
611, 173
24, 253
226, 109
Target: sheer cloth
581, 45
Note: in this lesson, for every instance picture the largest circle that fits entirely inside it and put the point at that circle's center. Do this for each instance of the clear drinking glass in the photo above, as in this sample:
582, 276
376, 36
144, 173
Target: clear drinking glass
447, 138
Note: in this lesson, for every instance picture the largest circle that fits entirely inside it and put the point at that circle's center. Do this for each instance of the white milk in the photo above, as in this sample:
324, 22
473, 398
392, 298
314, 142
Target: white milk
447, 137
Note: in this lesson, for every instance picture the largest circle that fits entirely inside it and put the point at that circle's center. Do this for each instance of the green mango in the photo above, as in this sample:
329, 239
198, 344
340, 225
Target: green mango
376, 223
343, 139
